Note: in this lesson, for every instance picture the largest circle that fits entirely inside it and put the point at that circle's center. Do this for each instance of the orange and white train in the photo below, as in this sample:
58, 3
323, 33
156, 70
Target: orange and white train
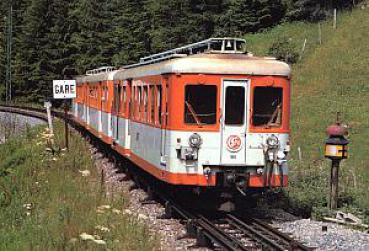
206, 115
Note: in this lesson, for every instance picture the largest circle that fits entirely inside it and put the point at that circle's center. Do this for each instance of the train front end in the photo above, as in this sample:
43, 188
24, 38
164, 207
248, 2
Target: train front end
228, 122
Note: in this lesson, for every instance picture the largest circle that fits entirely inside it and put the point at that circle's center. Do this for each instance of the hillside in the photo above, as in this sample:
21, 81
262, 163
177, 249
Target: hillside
331, 77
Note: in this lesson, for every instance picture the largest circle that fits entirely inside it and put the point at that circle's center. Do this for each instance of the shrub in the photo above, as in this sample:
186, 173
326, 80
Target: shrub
284, 50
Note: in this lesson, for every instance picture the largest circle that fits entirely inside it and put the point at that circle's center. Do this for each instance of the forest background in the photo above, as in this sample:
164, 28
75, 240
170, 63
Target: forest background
51, 37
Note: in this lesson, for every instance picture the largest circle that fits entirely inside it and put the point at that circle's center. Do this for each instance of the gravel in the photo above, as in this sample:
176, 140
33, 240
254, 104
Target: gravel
337, 237
170, 232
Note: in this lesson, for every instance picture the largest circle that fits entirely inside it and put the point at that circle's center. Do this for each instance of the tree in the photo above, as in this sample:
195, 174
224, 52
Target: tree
244, 16
91, 41
129, 33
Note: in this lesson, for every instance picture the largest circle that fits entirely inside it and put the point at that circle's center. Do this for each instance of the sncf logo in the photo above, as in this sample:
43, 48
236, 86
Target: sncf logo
234, 143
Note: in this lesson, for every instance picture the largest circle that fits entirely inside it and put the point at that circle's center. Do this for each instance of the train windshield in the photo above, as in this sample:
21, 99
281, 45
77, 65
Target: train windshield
267, 107
200, 104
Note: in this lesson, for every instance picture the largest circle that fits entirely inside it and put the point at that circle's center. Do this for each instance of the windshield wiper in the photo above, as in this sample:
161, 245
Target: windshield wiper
193, 113
275, 119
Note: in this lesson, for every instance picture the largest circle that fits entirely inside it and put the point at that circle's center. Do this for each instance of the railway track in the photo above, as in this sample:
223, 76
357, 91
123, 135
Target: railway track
221, 232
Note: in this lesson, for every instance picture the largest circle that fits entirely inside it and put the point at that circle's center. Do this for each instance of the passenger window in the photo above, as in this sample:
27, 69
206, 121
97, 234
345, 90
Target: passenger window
267, 110
152, 104
146, 104
159, 93
235, 105
200, 104
124, 99
139, 103
117, 97
132, 103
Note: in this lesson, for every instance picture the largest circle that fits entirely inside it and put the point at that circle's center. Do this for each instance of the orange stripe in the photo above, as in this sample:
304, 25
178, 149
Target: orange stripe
183, 178
258, 181
120, 149
173, 178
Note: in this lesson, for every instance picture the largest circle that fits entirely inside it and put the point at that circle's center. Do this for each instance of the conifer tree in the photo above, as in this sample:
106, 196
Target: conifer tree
34, 59
91, 39
129, 33
244, 16
170, 24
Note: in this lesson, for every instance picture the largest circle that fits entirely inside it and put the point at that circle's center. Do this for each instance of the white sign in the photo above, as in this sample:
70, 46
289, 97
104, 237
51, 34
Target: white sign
64, 89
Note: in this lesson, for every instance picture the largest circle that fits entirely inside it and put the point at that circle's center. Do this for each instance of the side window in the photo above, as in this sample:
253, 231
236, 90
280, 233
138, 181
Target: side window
115, 100
158, 98
132, 103
267, 107
152, 104
139, 97
124, 99
146, 104
200, 104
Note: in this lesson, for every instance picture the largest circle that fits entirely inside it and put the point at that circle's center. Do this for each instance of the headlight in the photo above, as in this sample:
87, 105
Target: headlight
272, 141
195, 140
281, 155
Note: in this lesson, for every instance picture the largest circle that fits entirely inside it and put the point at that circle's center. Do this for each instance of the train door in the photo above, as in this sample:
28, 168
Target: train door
162, 101
116, 108
233, 122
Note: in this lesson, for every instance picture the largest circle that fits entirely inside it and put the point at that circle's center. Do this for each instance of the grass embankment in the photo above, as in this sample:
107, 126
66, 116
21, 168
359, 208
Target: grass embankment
331, 77
47, 203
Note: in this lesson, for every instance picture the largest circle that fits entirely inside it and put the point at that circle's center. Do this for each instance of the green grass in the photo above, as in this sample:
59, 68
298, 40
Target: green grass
332, 77
45, 202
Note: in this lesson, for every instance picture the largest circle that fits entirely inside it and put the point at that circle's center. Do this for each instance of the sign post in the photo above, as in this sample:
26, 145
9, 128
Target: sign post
47, 105
65, 89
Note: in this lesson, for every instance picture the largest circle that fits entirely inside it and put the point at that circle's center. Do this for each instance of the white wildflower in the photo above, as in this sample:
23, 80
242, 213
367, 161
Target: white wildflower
116, 211
28, 206
99, 211
87, 237
142, 217
103, 207
100, 242
127, 211
85, 173
102, 228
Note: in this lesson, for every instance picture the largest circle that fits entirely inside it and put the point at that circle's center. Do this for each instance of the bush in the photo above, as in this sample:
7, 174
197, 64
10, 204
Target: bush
284, 50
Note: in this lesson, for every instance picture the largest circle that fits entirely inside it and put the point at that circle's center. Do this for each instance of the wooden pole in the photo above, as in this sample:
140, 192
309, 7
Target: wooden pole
334, 184
50, 121
335, 19
320, 33
66, 129
303, 49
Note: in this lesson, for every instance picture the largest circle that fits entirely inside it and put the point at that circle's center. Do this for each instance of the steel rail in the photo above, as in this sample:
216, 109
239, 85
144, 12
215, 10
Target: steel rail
266, 234
22, 111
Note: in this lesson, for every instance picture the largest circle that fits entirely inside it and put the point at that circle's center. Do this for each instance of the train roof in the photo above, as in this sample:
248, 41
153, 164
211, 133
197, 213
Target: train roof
93, 78
210, 64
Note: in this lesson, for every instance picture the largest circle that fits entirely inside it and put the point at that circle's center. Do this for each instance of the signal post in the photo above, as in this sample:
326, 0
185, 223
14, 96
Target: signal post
336, 147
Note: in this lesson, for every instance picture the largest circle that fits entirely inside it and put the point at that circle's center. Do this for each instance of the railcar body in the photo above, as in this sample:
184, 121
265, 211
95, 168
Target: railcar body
209, 120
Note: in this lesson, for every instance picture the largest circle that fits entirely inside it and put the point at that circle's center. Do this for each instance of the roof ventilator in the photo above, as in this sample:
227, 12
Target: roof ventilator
211, 45
100, 70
